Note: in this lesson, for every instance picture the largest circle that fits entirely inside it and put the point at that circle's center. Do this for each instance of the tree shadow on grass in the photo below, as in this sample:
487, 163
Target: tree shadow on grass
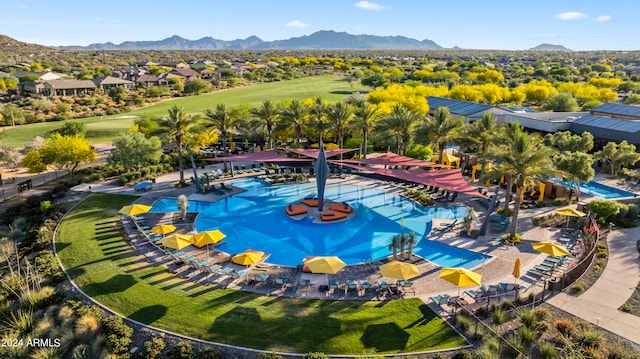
115, 284
427, 316
385, 337
150, 314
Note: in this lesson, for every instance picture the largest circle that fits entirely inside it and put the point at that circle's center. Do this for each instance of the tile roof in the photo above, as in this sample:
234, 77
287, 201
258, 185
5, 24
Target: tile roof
457, 107
71, 84
608, 128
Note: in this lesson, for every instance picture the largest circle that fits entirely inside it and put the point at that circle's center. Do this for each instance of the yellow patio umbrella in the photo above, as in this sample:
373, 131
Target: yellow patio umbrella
569, 212
177, 241
248, 257
134, 209
460, 277
326, 265
551, 249
399, 270
516, 268
163, 229
208, 237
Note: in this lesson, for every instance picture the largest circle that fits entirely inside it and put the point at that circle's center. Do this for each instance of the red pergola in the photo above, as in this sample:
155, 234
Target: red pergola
392, 159
270, 156
313, 153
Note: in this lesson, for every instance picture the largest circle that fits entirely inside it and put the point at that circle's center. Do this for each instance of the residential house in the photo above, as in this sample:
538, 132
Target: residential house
148, 80
42, 76
109, 82
56, 88
186, 73
30, 88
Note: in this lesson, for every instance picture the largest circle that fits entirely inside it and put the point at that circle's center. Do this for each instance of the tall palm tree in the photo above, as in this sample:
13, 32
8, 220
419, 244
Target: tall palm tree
411, 242
318, 116
267, 114
221, 119
399, 123
177, 126
526, 159
394, 244
440, 129
483, 134
365, 115
338, 115
294, 115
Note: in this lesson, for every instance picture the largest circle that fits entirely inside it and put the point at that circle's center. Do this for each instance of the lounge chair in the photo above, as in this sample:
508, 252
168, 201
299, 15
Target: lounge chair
214, 268
364, 285
352, 285
311, 202
341, 207
333, 286
282, 282
260, 278
296, 209
535, 273
447, 227
441, 299
330, 215
406, 285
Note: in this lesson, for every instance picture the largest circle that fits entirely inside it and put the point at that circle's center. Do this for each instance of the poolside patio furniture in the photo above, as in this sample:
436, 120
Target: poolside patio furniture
330, 215
304, 284
333, 286
260, 278
352, 285
214, 268
364, 285
341, 207
296, 209
282, 282
143, 186
440, 299
406, 285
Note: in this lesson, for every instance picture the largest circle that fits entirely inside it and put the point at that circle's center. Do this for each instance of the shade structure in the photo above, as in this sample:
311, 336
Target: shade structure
163, 229
208, 237
569, 212
134, 209
447, 159
399, 270
551, 249
177, 241
461, 277
322, 172
516, 268
326, 265
248, 258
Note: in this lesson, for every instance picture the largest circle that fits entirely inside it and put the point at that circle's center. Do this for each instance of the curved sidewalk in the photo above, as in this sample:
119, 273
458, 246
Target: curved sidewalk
599, 304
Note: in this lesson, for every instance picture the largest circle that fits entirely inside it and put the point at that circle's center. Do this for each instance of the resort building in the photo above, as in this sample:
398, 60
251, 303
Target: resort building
611, 122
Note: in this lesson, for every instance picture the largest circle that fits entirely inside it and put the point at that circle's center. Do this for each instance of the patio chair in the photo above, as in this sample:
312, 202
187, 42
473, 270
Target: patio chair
441, 299
406, 285
282, 282
214, 268
364, 285
333, 286
352, 285
260, 278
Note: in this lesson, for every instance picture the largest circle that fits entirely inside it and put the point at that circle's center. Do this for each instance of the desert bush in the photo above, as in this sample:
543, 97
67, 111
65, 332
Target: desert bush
87, 325
541, 314
210, 353
527, 335
527, 318
560, 202
118, 334
463, 354
589, 339
564, 326
548, 350
269, 355
46, 263
463, 322
315, 355
153, 348
499, 316
182, 350
579, 287
38, 299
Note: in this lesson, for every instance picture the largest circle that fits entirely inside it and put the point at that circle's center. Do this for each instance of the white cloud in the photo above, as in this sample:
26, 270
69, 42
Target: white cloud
604, 18
368, 5
296, 23
571, 15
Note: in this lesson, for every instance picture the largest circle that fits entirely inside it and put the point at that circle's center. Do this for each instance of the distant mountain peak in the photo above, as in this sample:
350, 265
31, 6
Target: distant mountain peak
549, 47
323, 39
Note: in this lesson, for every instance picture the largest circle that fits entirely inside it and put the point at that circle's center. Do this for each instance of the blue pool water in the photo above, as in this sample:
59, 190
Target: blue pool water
599, 189
256, 219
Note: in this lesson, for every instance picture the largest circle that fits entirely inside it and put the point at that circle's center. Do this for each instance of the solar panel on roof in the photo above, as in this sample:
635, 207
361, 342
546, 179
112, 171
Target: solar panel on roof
457, 107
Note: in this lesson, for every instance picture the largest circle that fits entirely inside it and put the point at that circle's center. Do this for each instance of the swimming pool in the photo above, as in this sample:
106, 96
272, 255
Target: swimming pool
599, 189
256, 219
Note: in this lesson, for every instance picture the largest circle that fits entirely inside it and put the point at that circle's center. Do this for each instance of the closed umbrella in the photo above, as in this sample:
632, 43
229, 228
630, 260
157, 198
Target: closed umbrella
322, 172
208, 237
134, 209
516, 269
399, 270
177, 241
163, 229
551, 249
461, 277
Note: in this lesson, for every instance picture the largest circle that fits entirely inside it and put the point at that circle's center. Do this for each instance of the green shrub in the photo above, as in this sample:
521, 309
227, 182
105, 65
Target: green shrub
634, 211
463, 322
210, 353
578, 287
463, 354
118, 334
548, 350
182, 350
315, 355
499, 316
560, 202
589, 339
269, 355
486, 353
153, 348
541, 314
564, 326
123, 180
627, 308
527, 335
46, 263
528, 318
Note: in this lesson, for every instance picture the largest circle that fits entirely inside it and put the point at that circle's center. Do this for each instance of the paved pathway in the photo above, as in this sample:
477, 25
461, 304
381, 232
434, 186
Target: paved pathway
599, 304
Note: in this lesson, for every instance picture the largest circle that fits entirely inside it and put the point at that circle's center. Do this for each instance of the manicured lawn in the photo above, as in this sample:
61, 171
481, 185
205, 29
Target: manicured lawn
102, 129
96, 256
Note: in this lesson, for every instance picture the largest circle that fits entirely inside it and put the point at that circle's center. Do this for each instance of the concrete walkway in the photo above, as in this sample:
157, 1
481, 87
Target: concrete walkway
599, 304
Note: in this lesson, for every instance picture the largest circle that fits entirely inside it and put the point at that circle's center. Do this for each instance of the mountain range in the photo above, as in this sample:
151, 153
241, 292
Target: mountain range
326, 39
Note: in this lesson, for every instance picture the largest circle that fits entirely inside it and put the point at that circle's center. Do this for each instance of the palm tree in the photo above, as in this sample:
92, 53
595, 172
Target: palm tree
411, 242
394, 244
267, 114
338, 115
399, 123
318, 116
526, 159
177, 126
294, 115
364, 116
440, 129
483, 134
221, 119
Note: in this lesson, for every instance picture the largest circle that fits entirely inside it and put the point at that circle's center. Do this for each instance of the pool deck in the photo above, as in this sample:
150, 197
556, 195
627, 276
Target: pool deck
428, 284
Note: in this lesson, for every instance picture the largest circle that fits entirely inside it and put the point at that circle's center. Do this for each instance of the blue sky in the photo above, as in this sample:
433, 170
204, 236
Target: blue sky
470, 24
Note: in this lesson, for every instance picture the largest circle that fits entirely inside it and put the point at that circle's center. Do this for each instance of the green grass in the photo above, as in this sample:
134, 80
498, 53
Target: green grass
96, 257
102, 129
